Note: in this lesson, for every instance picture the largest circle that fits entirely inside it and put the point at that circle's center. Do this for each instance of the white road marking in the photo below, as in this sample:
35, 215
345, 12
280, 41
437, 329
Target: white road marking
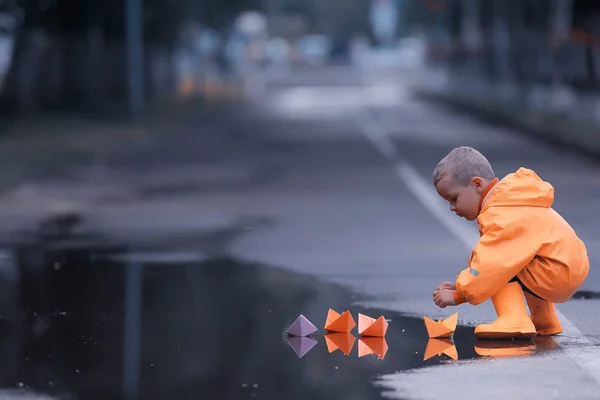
378, 137
428, 197
574, 343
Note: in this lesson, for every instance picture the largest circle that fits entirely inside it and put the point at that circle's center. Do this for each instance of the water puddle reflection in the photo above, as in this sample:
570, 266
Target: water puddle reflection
101, 327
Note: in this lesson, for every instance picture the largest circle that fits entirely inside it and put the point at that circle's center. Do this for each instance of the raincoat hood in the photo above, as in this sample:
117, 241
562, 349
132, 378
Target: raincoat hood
523, 188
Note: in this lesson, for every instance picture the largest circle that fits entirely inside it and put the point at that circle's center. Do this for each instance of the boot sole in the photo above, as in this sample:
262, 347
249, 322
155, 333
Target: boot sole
550, 332
505, 335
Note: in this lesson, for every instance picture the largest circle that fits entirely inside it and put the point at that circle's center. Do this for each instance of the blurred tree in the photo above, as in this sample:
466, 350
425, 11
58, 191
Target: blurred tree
346, 19
63, 30
304, 9
586, 32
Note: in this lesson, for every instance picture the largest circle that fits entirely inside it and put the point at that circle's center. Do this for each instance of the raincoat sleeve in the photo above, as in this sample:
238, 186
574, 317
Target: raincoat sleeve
504, 249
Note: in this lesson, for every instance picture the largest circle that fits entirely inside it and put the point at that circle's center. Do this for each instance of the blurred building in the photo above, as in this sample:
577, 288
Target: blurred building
522, 41
534, 62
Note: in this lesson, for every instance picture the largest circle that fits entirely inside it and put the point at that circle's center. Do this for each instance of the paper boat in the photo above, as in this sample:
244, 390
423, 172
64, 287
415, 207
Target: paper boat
301, 344
339, 323
368, 326
372, 345
340, 341
441, 329
437, 347
301, 327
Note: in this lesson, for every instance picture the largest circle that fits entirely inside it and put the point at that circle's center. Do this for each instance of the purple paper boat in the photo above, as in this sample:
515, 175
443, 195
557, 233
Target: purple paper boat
301, 344
301, 327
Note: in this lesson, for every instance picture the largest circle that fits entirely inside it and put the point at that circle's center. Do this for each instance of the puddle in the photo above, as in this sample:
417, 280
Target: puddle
198, 329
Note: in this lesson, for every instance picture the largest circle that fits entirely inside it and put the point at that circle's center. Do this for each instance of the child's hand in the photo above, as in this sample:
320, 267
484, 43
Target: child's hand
444, 298
447, 285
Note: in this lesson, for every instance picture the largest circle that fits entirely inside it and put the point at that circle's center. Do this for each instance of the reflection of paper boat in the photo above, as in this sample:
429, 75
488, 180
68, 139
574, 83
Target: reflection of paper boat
301, 327
339, 323
442, 328
340, 341
437, 347
504, 348
368, 326
372, 345
301, 344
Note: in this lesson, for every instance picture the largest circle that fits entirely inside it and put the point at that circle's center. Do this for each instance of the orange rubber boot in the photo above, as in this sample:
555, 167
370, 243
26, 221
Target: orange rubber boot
513, 322
543, 316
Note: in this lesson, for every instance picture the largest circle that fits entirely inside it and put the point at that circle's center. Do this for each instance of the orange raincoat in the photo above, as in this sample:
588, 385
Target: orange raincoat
522, 236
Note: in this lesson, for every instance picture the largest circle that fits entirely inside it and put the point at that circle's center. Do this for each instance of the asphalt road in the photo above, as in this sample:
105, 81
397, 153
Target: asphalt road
321, 200
354, 205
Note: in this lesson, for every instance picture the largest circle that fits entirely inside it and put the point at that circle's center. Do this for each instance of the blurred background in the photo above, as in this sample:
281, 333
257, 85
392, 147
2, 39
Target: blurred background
179, 180
94, 58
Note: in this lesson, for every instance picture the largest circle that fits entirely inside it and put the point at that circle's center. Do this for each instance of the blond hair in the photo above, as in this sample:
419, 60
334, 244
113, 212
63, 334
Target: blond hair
463, 163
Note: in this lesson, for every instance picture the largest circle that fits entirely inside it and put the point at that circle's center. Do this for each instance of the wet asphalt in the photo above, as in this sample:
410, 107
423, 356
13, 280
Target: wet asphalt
150, 306
214, 329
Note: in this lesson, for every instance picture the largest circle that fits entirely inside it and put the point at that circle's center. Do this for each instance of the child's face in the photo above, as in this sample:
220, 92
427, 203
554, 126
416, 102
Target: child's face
464, 200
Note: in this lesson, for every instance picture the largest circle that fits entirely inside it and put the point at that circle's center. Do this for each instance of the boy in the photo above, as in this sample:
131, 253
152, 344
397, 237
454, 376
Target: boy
525, 246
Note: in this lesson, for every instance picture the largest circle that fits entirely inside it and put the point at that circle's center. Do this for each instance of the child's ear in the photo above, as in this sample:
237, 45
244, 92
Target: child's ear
478, 184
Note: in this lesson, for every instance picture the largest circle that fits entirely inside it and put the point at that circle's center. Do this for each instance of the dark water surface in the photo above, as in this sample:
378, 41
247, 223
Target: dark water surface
197, 329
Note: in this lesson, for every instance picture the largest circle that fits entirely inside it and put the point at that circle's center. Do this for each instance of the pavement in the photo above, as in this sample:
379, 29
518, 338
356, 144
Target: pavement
51, 167
554, 113
313, 194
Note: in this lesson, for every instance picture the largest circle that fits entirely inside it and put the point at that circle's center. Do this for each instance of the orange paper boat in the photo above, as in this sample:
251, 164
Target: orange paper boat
372, 345
339, 323
441, 329
340, 341
437, 347
368, 326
